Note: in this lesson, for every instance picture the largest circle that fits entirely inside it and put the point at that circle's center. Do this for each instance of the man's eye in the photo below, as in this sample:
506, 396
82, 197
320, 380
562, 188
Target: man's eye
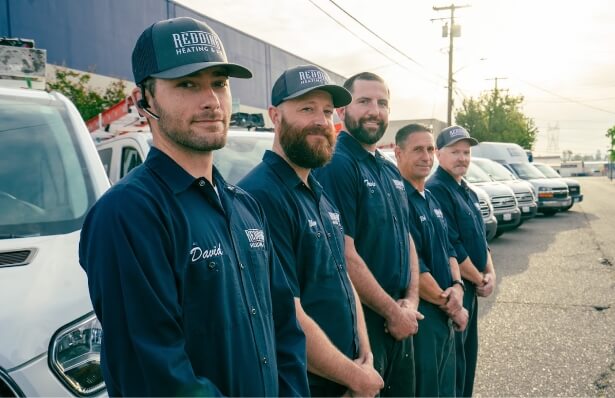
186, 84
306, 109
221, 83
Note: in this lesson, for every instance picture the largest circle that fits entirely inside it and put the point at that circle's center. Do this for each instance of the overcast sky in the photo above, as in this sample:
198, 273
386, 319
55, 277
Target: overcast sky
559, 55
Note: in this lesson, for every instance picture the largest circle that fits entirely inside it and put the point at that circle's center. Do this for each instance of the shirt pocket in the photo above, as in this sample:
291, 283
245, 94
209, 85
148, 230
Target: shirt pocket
259, 273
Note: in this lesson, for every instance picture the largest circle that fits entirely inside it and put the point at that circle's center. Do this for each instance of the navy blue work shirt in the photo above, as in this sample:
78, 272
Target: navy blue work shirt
463, 217
370, 194
430, 234
189, 292
308, 238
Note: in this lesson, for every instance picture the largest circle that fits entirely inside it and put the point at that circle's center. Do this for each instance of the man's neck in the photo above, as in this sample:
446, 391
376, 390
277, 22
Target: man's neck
197, 164
417, 182
301, 172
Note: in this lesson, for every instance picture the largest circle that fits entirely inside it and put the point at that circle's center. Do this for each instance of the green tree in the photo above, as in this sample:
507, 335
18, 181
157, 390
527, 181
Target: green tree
497, 117
610, 134
89, 102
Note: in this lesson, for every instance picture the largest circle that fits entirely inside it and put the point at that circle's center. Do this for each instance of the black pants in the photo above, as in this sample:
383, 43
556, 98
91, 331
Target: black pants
466, 343
434, 353
393, 359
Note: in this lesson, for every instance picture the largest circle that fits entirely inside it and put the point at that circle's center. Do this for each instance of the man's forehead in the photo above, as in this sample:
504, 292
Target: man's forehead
370, 89
216, 71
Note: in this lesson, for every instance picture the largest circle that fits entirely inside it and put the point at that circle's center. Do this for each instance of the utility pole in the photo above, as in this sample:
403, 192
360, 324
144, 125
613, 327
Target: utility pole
495, 88
451, 35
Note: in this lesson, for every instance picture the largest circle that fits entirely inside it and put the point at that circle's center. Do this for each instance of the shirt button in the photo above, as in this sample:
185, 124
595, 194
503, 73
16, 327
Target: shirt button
265, 360
388, 194
253, 311
394, 218
328, 234
318, 234
241, 266
201, 183
340, 266
212, 265
371, 190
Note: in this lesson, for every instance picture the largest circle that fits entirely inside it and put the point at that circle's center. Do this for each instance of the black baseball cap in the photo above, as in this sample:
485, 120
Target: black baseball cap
453, 134
300, 80
177, 47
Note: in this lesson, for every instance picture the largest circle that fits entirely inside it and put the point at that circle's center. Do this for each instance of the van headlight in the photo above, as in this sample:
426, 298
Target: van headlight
74, 355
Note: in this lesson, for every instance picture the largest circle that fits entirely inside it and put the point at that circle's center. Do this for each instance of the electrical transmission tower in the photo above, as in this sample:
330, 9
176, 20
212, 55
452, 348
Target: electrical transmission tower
553, 138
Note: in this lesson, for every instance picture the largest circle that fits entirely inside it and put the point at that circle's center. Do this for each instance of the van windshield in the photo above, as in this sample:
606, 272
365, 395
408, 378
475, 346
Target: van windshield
475, 174
241, 154
547, 171
526, 171
494, 169
44, 184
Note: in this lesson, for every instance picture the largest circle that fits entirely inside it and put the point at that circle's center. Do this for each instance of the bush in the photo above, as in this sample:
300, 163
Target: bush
89, 102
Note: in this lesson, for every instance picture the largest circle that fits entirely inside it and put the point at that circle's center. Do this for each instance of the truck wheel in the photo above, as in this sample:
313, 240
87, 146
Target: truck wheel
549, 212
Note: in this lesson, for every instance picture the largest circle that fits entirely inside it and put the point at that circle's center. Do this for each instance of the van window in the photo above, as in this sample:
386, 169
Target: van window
44, 184
130, 160
105, 156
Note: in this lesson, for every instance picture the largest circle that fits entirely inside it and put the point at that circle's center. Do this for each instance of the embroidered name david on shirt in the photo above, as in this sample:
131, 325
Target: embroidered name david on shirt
196, 253
256, 237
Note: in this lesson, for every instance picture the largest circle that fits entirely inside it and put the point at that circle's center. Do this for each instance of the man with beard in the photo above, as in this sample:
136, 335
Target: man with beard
307, 234
370, 193
181, 269
440, 285
466, 231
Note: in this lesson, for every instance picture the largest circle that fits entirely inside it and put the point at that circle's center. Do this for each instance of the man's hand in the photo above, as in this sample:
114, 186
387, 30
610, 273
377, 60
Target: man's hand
368, 381
460, 319
454, 299
404, 321
487, 286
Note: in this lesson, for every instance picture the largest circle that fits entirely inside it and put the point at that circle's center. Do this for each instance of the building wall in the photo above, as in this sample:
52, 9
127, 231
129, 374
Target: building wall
98, 36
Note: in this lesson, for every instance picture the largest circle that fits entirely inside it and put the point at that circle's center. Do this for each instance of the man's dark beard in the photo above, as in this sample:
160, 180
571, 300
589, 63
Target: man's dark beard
296, 147
355, 128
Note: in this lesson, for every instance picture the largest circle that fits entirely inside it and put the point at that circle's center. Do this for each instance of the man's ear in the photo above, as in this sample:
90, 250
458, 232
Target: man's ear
136, 96
397, 153
275, 115
341, 112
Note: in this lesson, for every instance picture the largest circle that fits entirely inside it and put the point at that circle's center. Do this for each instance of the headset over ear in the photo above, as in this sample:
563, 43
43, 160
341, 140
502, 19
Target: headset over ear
142, 103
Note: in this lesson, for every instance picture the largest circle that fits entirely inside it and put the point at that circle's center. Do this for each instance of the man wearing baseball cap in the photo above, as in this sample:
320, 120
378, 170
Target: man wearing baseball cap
307, 233
466, 231
181, 268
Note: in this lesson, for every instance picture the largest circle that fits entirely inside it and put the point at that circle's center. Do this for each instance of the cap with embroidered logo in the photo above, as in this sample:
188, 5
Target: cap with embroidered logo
453, 134
177, 47
300, 80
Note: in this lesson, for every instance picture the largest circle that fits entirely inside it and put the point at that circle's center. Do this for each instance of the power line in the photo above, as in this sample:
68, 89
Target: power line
383, 40
369, 44
567, 98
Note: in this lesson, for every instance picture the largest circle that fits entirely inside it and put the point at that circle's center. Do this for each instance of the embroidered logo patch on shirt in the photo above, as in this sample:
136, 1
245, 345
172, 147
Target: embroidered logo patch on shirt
196, 253
311, 223
399, 184
438, 213
335, 218
422, 218
256, 237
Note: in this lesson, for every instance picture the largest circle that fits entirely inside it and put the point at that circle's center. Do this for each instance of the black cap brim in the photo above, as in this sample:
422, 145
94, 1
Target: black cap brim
472, 141
233, 70
339, 95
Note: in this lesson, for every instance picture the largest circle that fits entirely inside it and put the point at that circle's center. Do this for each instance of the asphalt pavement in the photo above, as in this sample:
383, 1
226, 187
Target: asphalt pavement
549, 328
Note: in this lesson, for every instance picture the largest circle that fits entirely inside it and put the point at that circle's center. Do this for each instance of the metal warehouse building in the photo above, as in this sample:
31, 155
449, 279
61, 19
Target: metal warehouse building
98, 36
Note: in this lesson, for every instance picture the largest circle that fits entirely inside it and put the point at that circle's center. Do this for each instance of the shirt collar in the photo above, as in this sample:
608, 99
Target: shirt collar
174, 176
287, 174
348, 141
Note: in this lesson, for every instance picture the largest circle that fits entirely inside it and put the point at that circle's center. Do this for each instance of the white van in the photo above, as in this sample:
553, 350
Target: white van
50, 175
553, 195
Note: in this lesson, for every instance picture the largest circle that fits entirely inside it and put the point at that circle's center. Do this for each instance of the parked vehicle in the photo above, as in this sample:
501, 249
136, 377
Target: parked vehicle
244, 150
553, 196
502, 198
524, 191
49, 177
573, 185
486, 210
